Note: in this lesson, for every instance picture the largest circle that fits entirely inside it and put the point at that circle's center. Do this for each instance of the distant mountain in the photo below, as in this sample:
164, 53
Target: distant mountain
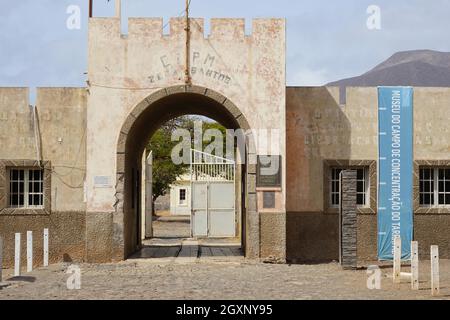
419, 68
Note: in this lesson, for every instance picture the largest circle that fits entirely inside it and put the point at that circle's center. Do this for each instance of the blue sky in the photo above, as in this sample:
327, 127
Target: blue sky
326, 40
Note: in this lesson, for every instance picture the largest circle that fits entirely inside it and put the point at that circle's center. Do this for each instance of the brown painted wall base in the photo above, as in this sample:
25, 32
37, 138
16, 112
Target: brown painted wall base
66, 240
312, 237
273, 239
432, 230
429, 229
367, 238
99, 237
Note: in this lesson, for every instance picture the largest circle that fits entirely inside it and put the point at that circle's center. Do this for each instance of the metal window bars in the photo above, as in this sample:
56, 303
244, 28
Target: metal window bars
208, 167
26, 188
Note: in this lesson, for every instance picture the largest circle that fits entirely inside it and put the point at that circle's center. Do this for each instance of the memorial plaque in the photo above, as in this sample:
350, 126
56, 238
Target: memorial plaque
102, 182
269, 200
268, 172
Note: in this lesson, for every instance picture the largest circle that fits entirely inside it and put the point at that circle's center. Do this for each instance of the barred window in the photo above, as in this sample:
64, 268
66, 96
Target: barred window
362, 186
26, 188
434, 187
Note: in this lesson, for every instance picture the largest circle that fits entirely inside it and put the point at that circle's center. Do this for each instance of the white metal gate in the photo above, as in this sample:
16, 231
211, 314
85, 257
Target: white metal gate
212, 196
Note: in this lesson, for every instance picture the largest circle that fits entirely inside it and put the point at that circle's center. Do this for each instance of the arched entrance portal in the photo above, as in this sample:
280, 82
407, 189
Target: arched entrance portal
140, 125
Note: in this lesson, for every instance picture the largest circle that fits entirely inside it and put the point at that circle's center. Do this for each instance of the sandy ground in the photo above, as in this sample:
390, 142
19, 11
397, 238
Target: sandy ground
171, 267
215, 279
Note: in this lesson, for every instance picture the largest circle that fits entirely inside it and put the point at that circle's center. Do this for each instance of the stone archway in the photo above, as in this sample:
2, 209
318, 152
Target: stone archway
143, 121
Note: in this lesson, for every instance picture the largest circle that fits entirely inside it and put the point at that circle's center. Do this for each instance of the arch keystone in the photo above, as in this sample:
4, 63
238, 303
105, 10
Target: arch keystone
196, 89
176, 89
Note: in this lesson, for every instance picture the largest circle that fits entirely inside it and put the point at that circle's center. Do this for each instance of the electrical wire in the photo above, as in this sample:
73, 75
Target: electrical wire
179, 15
141, 88
36, 136
80, 186
123, 88
208, 41
74, 166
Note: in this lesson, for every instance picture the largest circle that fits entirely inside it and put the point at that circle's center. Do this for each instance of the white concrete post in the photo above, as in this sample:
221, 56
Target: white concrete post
397, 259
29, 251
435, 287
1, 259
118, 9
17, 255
45, 247
414, 265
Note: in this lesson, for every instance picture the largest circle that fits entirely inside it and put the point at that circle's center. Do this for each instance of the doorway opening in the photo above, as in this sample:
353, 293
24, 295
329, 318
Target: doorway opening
198, 201
136, 225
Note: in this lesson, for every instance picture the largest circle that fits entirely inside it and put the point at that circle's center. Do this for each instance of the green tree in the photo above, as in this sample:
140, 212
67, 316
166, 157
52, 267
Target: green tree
165, 172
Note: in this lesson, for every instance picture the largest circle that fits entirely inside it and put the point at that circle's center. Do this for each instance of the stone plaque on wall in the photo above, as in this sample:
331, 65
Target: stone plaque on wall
102, 182
269, 172
269, 200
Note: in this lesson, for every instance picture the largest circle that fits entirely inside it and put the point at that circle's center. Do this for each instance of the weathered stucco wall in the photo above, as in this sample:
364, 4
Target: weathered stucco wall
124, 70
81, 130
319, 129
249, 70
61, 114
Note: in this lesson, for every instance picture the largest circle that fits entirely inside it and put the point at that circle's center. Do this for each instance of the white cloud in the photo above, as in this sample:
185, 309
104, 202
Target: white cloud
327, 40
305, 76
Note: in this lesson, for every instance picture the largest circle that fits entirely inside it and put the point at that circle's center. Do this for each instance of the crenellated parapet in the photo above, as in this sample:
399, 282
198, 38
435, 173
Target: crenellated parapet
221, 29
147, 57
248, 69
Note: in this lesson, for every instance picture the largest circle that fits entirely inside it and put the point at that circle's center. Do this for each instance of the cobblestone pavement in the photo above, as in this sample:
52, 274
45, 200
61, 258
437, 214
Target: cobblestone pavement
215, 279
175, 267
171, 227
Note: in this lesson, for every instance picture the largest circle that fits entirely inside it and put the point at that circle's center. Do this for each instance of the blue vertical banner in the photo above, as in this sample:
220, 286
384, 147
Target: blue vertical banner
395, 170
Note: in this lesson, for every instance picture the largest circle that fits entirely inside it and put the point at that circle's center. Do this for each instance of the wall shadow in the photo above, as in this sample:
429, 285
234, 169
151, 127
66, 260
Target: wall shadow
317, 130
